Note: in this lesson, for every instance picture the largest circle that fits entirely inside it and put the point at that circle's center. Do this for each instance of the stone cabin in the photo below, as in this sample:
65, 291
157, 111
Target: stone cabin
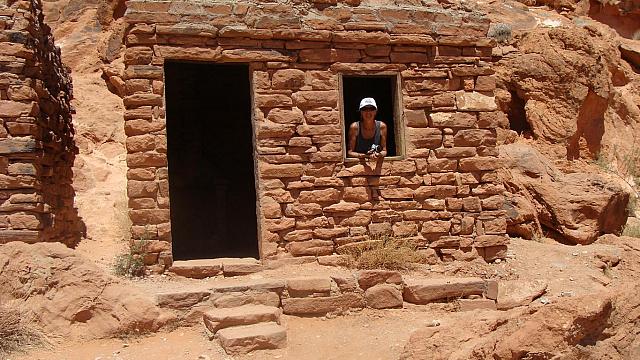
236, 118
37, 149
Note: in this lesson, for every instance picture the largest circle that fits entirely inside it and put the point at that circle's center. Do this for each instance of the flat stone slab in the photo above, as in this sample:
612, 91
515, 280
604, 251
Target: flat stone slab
234, 299
302, 287
243, 339
237, 267
424, 291
202, 268
197, 269
181, 300
275, 285
322, 305
519, 293
217, 319
299, 260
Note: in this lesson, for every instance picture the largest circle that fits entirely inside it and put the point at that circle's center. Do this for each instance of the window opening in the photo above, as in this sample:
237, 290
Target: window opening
382, 88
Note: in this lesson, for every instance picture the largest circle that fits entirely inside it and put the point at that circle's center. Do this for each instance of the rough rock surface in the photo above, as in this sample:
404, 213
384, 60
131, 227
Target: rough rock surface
519, 293
569, 88
561, 330
70, 296
579, 206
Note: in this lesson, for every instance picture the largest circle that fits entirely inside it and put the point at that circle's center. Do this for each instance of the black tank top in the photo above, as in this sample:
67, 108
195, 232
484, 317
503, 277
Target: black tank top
364, 145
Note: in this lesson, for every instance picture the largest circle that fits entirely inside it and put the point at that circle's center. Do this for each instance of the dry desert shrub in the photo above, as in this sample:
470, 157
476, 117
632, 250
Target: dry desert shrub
130, 263
501, 32
388, 253
631, 230
16, 332
625, 166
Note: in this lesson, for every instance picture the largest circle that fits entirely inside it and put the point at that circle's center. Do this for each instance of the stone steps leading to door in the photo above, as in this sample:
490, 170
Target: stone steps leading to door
220, 318
246, 328
232, 308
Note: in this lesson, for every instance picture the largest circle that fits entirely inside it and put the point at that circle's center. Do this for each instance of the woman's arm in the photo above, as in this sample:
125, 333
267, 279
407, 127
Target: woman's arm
383, 139
351, 149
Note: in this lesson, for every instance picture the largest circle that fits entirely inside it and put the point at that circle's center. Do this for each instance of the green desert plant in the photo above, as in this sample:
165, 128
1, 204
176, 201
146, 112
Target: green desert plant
388, 253
130, 263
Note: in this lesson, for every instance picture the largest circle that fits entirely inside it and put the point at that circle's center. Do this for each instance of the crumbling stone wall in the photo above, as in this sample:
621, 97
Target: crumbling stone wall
443, 193
36, 135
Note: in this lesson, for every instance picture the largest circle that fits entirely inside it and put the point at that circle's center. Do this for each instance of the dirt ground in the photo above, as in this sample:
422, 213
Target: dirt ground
367, 334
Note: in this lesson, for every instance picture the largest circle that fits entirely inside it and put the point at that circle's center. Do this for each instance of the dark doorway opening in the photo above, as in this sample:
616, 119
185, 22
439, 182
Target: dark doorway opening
211, 168
518, 115
383, 90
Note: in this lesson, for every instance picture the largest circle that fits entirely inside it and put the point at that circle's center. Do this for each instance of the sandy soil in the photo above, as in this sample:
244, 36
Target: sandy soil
367, 334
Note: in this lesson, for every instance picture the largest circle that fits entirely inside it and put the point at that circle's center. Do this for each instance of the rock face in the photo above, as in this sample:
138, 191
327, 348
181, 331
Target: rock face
579, 206
571, 90
70, 296
553, 331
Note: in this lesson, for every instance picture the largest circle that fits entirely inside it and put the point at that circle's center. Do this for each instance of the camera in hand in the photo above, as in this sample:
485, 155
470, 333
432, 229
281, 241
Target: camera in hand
374, 149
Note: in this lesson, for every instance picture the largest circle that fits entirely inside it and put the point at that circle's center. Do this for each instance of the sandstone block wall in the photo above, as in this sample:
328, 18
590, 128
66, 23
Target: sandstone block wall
442, 193
36, 135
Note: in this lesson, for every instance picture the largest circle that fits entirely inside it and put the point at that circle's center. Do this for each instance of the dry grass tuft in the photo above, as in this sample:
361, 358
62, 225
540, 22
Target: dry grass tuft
16, 332
389, 253
631, 230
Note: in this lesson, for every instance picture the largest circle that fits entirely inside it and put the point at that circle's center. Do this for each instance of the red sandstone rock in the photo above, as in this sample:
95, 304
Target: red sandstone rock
196, 269
425, 291
311, 247
383, 296
303, 287
217, 319
369, 278
519, 293
243, 339
92, 304
579, 206
322, 305
288, 79
181, 300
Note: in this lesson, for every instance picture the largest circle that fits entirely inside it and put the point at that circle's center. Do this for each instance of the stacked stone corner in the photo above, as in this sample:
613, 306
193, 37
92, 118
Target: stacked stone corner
37, 149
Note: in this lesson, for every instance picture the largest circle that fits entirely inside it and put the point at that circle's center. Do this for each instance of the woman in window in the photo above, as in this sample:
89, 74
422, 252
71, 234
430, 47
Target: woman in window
368, 137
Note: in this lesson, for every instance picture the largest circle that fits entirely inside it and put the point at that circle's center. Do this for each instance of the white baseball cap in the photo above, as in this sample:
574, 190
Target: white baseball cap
368, 102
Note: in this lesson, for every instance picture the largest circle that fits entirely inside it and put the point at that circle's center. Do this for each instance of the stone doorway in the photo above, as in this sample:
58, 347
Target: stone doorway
210, 155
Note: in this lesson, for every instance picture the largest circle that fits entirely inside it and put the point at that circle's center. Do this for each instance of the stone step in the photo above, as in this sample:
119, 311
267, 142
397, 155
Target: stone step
197, 269
217, 319
311, 306
203, 268
243, 339
423, 291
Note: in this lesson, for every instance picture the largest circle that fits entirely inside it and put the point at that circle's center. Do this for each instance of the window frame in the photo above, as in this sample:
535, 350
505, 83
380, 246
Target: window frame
398, 114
